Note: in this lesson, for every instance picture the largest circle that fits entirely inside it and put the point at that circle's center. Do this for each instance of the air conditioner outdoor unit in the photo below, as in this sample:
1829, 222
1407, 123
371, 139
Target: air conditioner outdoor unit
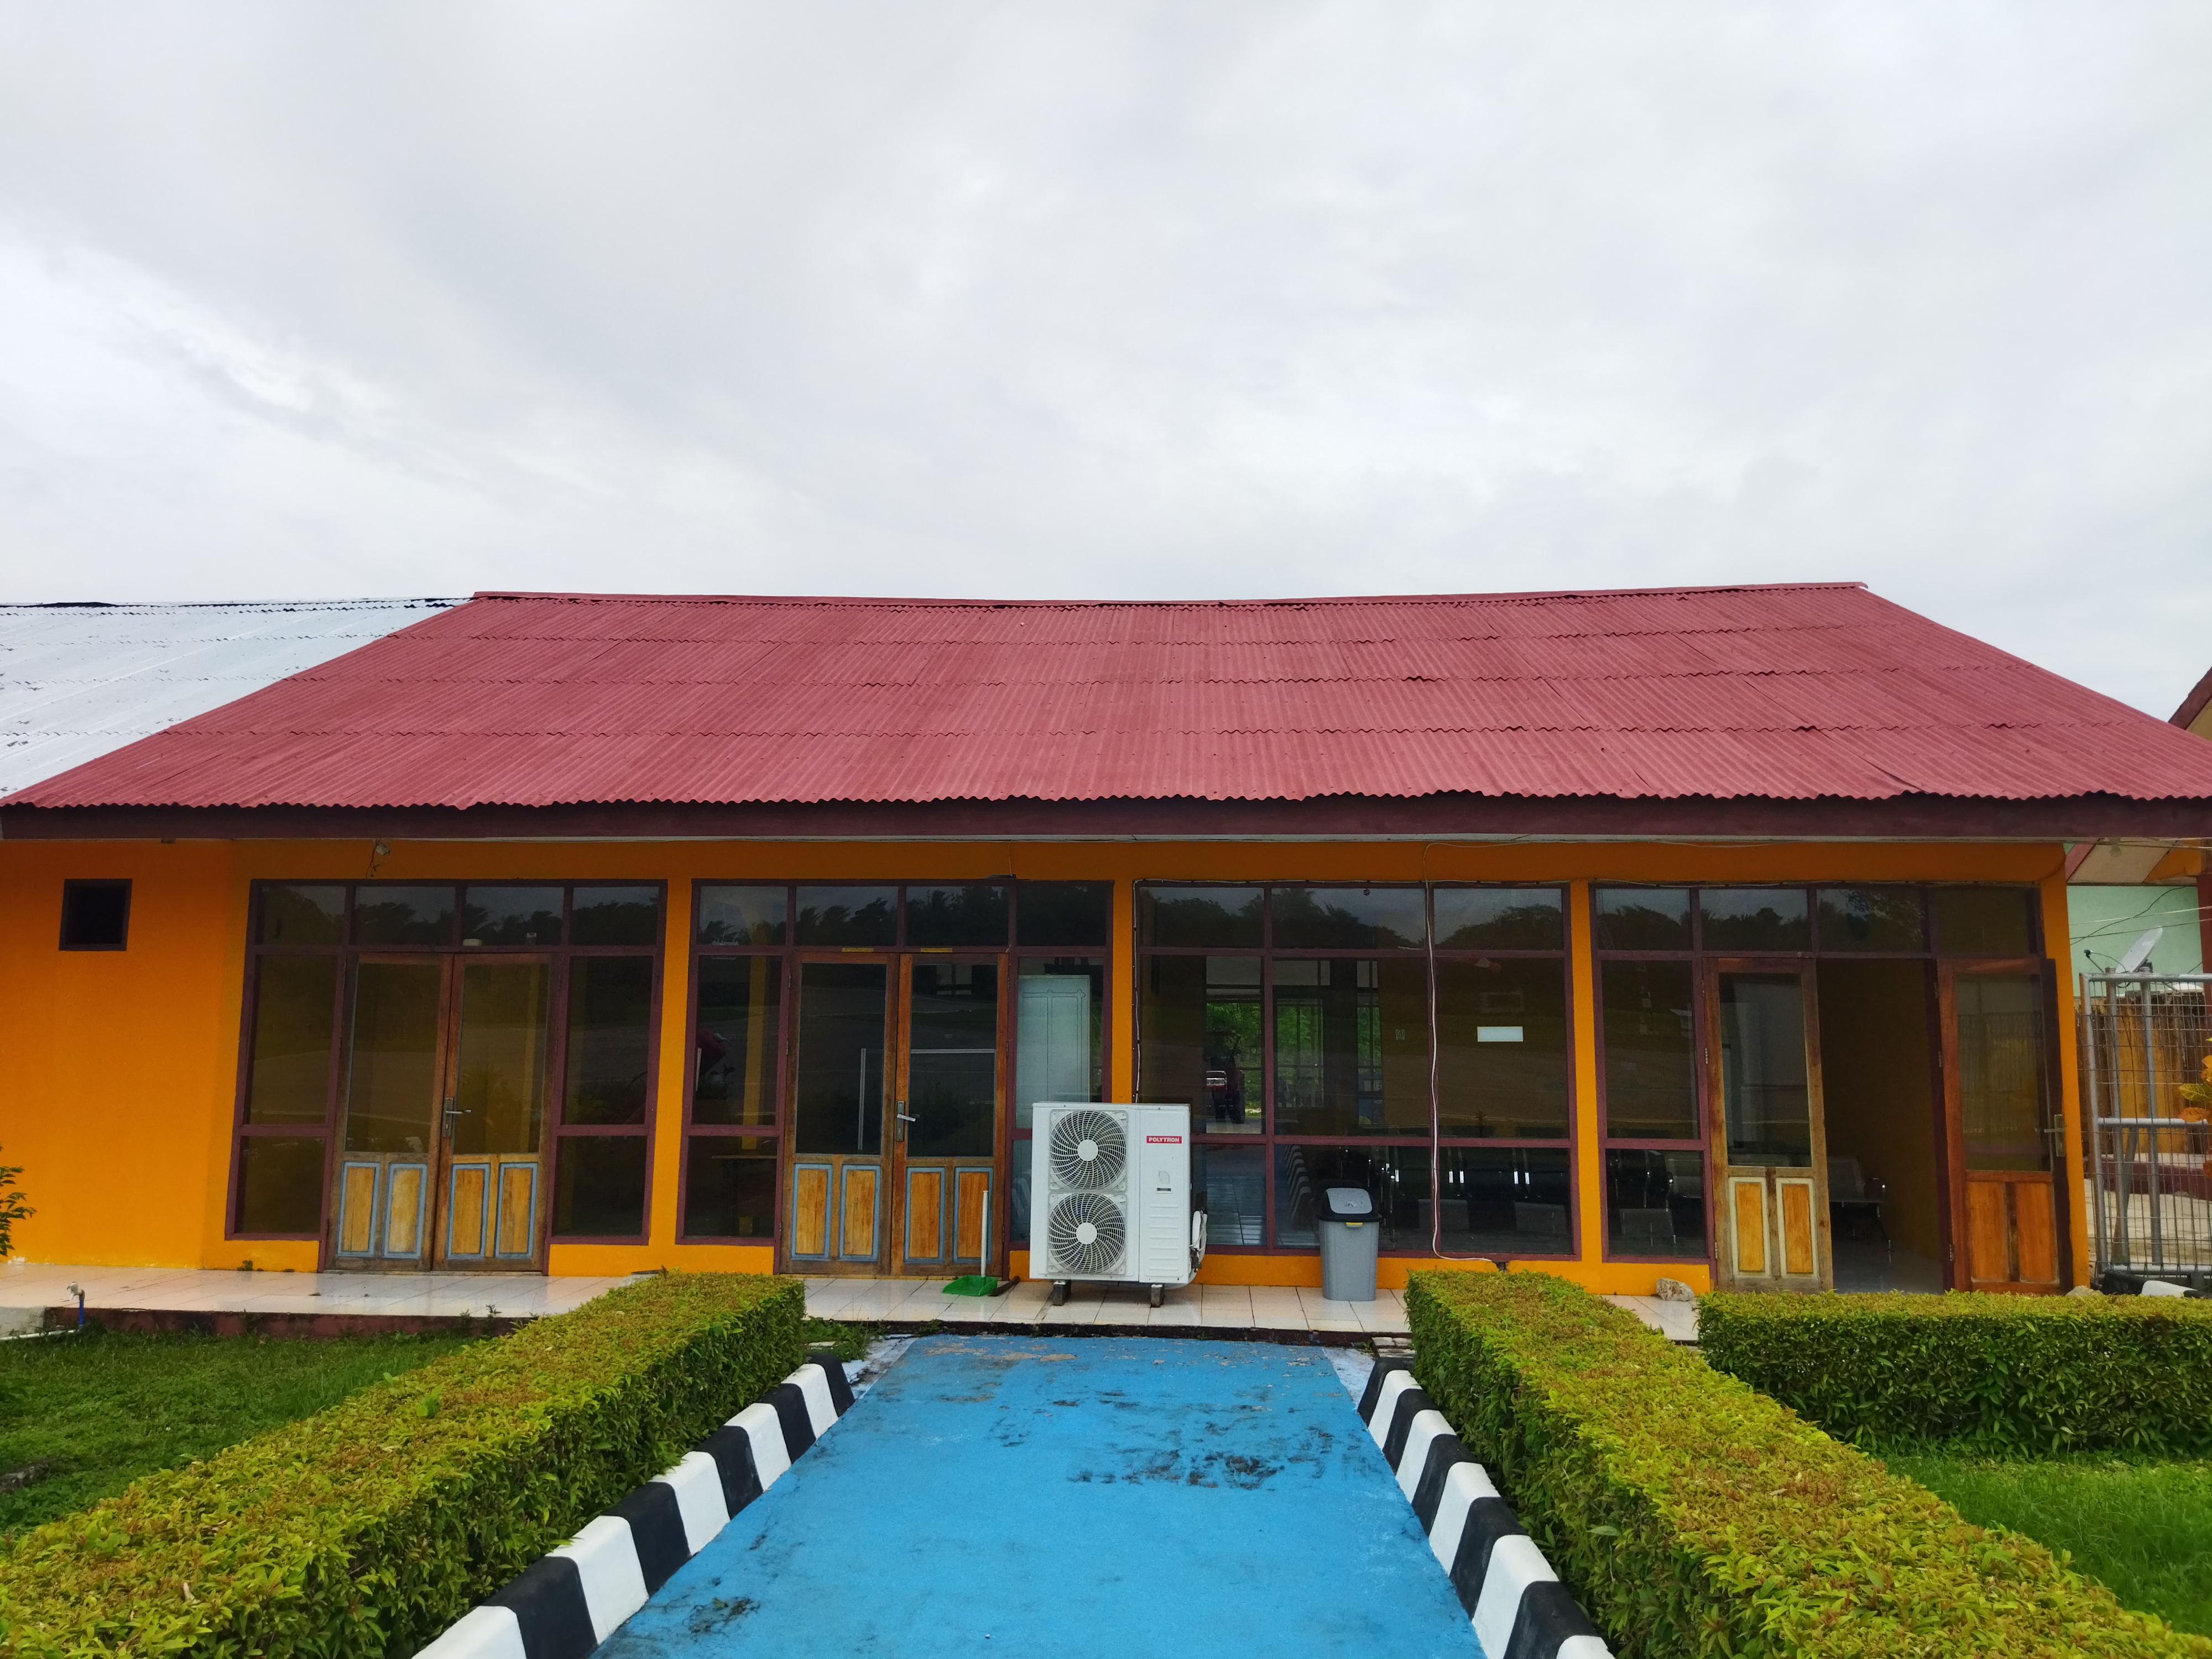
1114, 1197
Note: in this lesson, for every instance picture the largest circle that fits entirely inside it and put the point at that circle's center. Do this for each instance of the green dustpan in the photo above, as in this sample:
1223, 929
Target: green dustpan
972, 1285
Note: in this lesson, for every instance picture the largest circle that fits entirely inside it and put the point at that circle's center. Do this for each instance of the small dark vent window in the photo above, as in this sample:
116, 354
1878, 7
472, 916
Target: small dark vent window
95, 914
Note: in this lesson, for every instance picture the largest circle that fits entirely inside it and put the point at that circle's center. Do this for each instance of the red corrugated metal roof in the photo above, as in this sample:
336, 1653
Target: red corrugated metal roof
1784, 692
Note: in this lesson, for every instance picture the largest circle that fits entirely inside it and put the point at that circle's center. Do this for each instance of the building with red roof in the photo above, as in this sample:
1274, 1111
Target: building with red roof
1702, 933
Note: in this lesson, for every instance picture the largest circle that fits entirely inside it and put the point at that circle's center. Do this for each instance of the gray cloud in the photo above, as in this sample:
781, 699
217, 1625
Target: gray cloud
1154, 300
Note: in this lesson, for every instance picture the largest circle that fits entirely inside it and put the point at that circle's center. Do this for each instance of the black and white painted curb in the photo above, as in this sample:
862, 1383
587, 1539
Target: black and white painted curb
566, 1603
1520, 1609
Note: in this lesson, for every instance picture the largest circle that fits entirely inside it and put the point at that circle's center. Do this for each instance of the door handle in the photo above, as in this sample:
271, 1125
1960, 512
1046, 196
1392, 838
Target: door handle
452, 1111
904, 1118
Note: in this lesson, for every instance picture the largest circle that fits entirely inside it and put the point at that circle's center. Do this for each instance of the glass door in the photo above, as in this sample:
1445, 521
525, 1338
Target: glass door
493, 1118
842, 1096
1769, 1144
444, 1109
1997, 1099
387, 1149
945, 1130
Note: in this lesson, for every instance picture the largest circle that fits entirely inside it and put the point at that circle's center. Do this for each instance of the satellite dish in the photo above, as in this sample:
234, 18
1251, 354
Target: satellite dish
2139, 952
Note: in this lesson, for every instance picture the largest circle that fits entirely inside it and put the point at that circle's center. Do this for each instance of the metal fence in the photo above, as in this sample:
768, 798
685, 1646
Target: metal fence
2149, 1151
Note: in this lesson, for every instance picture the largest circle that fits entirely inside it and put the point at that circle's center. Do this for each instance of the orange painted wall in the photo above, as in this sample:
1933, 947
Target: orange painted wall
119, 1071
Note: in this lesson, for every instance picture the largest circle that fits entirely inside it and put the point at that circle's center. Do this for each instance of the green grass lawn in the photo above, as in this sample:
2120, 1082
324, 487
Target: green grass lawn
2143, 1525
105, 1408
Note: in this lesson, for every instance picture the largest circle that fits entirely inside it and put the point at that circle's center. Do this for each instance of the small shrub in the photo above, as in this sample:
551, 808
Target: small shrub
1691, 1516
13, 1208
1978, 1372
368, 1527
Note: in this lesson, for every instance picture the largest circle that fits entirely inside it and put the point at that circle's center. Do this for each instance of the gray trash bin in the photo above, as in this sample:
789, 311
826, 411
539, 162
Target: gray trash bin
1350, 1238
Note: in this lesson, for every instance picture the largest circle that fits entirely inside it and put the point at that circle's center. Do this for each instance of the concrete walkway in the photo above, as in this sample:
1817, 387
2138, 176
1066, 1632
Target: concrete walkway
34, 1286
1117, 1499
1222, 1306
28, 1288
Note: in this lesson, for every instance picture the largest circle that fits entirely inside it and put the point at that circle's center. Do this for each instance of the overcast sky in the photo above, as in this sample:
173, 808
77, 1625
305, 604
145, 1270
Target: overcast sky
1184, 300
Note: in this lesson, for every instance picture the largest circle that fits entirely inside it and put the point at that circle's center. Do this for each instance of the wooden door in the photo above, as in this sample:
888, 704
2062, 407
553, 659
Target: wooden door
1769, 1143
389, 1121
2002, 1121
834, 1175
945, 1128
491, 1190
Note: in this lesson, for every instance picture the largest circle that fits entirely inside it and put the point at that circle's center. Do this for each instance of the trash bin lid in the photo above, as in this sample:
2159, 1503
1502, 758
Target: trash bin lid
1347, 1204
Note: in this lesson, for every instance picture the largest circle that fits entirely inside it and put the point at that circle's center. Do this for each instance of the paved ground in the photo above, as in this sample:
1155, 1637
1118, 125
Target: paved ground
199, 1290
1231, 1307
1117, 1498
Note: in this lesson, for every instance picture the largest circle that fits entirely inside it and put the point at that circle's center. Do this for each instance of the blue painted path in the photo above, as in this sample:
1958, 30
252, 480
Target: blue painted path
1107, 1496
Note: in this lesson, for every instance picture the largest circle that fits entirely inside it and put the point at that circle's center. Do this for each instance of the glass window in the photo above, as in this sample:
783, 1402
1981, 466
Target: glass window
1872, 919
391, 1082
729, 1186
1199, 916
293, 999
280, 1184
499, 1071
95, 915
847, 915
1064, 913
1985, 921
1500, 919
1650, 1072
617, 916
599, 1187
2001, 1071
1503, 1200
1352, 1046
609, 1039
1201, 1040
1502, 1064
743, 915
1654, 1203
841, 1078
1396, 1177
952, 1059
1643, 918
511, 915
1059, 1025
1767, 1099
953, 916
302, 915
1745, 919
1233, 1181
734, 1055
385, 915
1349, 919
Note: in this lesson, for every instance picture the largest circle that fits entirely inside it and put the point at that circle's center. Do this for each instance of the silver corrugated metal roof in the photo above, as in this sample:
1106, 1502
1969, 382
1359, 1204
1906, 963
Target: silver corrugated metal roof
79, 680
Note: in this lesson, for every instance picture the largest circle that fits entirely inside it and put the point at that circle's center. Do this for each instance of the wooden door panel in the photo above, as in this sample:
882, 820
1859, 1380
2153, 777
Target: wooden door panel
972, 1194
356, 1230
810, 1211
1986, 1231
517, 1231
406, 1209
925, 1215
860, 1198
1747, 1207
468, 1185
1799, 1258
2035, 1238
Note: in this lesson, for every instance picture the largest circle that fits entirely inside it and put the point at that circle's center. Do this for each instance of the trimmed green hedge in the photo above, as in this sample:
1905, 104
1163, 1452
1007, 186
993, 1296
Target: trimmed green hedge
1982, 1372
1691, 1515
368, 1528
